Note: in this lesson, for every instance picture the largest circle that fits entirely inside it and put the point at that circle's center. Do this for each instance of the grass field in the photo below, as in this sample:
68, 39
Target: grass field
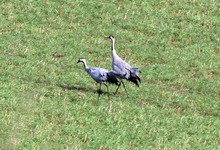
48, 101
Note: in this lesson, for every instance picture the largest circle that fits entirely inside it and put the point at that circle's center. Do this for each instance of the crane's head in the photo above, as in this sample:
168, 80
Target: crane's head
81, 60
111, 37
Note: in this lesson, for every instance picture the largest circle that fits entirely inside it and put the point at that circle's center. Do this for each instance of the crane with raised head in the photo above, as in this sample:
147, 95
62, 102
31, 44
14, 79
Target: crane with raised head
124, 70
100, 75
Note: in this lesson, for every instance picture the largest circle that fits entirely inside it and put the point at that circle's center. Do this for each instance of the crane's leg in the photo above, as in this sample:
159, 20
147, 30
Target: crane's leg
107, 89
124, 87
110, 101
121, 82
99, 92
118, 87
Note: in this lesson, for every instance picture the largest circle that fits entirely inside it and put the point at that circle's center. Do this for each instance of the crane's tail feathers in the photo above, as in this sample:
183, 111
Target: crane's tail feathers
134, 76
112, 77
134, 79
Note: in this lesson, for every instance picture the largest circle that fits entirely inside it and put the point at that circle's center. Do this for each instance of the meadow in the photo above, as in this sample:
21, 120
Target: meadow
47, 100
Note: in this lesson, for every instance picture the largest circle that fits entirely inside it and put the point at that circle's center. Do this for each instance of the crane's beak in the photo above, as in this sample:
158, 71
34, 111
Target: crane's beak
78, 61
108, 37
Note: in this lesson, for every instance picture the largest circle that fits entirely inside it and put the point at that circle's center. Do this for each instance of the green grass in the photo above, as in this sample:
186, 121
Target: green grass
48, 101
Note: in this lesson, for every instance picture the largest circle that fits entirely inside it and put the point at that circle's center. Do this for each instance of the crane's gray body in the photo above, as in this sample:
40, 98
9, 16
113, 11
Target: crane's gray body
120, 66
100, 75
125, 70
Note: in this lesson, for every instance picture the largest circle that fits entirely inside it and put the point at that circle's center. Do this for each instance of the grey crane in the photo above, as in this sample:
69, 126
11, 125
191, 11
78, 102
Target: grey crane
100, 75
124, 70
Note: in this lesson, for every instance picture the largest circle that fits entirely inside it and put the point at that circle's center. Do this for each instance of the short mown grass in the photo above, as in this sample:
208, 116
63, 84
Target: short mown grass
48, 101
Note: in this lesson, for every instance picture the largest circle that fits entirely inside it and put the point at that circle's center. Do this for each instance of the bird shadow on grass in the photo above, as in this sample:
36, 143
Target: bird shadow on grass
78, 88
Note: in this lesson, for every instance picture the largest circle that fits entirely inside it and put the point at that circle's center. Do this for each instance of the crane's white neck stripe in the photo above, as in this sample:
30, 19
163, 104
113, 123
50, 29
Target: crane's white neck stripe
84, 63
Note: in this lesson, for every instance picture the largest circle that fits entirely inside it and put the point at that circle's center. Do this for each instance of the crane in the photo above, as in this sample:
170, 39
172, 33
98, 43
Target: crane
100, 75
124, 70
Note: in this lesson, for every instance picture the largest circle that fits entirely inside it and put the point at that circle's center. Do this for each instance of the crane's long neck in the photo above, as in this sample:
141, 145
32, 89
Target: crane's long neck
113, 48
85, 64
